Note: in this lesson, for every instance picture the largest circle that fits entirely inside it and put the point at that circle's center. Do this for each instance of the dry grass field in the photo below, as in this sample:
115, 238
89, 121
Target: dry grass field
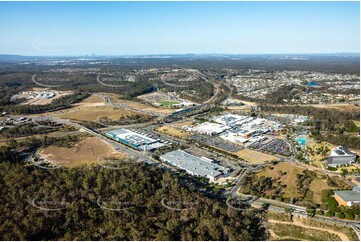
173, 132
91, 101
182, 124
317, 185
94, 113
86, 152
290, 179
356, 122
255, 157
341, 107
237, 108
140, 106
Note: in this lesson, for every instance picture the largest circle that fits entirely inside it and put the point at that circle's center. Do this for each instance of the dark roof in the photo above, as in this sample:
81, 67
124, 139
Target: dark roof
339, 152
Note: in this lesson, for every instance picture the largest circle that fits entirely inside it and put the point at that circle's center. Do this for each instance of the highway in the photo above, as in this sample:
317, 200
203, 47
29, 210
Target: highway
143, 157
233, 192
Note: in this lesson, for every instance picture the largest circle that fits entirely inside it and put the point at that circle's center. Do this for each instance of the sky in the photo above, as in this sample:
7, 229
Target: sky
137, 28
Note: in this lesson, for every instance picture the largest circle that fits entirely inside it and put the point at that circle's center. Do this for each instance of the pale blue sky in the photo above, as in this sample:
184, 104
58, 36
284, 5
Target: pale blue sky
125, 28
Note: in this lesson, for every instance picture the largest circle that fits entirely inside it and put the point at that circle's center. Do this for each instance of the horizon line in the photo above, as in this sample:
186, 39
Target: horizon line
173, 54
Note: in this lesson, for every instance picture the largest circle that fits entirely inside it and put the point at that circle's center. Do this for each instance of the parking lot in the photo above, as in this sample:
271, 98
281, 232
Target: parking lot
215, 142
277, 146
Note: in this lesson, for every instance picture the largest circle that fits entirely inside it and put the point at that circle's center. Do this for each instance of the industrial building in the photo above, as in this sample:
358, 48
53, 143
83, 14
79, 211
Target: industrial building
341, 156
135, 140
347, 198
198, 166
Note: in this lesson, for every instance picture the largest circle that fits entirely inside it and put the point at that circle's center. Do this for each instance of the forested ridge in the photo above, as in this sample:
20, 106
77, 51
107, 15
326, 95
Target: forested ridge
139, 186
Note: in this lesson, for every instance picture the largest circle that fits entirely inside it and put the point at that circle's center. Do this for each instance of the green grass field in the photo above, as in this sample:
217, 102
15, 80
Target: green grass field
168, 103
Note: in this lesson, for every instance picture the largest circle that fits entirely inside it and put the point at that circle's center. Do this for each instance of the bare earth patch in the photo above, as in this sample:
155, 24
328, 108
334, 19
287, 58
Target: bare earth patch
94, 113
141, 106
91, 101
297, 230
173, 132
255, 157
86, 152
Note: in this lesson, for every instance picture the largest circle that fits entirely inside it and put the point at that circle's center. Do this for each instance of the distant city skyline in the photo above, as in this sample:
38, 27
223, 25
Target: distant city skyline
151, 28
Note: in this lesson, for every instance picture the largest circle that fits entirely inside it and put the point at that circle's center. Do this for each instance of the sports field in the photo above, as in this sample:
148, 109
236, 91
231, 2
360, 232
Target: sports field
255, 157
86, 152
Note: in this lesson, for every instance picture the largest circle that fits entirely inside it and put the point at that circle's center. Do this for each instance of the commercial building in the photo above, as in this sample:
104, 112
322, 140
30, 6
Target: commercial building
233, 137
135, 140
300, 119
194, 165
210, 128
347, 198
233, 119
341, 156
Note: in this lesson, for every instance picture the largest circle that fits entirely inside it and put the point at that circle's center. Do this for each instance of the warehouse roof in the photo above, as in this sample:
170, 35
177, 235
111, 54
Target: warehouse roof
349, 195
132, 137
342, 151
193, 164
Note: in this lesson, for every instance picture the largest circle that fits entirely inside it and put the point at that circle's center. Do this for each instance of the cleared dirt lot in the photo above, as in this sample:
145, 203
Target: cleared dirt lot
92, 100
86, 152
173, 132
282, 227
280, 230
255, 157
140, 106
95, 112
